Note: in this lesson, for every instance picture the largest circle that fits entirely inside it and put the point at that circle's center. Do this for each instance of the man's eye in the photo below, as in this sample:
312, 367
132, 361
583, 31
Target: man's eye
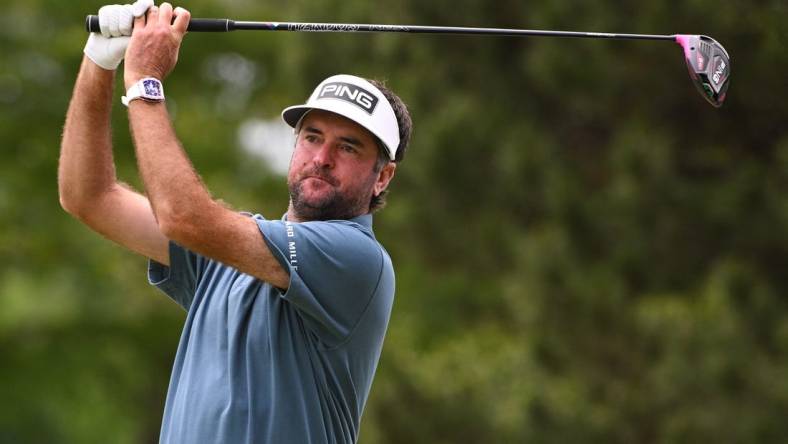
310, 138
349, 148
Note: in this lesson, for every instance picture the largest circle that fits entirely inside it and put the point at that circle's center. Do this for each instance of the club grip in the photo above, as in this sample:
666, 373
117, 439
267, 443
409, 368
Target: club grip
195, 24
210, 25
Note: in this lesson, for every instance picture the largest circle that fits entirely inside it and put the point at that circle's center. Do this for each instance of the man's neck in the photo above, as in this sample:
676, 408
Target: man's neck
293, 216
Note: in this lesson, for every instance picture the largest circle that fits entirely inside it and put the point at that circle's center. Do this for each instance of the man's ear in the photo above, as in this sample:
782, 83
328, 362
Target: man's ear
384, 177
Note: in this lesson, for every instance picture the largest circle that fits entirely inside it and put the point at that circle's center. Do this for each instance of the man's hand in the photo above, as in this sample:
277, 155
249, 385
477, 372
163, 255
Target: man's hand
107, 49
155, 42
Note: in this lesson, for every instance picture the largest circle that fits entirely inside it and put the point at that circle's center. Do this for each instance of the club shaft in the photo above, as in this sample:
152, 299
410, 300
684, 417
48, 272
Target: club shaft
226, 25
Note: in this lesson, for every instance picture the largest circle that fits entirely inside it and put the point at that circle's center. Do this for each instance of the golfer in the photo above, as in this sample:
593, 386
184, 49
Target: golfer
286, 318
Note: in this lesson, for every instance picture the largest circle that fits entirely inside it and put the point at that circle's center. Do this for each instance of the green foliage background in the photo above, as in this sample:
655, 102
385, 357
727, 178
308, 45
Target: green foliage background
586, 251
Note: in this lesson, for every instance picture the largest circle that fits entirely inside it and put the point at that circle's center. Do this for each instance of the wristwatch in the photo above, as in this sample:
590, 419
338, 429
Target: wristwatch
149, 89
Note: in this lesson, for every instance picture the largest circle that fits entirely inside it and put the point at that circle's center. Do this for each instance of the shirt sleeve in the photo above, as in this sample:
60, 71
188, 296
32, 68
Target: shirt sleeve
179, 280
335, 268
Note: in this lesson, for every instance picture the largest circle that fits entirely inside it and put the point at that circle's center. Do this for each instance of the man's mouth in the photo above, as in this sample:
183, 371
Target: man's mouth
328, 180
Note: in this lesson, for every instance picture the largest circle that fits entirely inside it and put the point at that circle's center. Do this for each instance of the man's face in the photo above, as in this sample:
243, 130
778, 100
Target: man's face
332, 171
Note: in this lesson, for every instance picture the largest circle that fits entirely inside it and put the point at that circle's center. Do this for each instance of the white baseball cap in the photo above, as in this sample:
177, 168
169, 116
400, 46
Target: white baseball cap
356, 99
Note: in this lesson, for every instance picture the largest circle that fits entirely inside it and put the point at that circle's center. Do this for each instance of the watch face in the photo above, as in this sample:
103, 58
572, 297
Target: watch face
152, 88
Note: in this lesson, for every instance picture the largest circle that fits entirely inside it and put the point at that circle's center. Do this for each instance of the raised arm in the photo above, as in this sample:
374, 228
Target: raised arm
87, 182
183, 206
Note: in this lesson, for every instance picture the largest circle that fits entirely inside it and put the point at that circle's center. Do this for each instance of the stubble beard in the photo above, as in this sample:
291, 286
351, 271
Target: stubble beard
333, 205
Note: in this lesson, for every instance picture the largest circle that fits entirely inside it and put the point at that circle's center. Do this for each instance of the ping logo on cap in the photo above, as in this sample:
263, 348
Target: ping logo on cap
350, 93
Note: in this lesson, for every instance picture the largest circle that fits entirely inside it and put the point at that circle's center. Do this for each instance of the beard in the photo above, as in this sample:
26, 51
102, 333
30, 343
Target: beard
331, 205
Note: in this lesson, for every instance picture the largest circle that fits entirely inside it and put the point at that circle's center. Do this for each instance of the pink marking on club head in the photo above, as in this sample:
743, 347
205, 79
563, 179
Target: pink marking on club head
683, 41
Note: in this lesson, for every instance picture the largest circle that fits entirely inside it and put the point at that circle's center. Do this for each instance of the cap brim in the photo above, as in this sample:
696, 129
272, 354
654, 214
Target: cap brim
293, 114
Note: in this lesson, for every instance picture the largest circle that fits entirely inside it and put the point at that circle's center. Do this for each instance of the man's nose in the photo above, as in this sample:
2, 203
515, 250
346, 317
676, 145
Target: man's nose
324, 156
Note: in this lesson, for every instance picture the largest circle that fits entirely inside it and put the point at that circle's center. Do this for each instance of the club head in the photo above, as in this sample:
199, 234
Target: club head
709, 66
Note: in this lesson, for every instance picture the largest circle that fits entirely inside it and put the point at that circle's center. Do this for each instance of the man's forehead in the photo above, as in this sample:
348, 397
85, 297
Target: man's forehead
322, 120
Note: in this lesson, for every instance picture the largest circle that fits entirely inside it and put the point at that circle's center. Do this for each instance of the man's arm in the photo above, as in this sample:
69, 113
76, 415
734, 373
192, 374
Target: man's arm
183, 207
87, 182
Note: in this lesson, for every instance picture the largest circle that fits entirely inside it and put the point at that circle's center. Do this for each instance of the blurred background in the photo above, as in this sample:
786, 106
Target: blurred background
586, 251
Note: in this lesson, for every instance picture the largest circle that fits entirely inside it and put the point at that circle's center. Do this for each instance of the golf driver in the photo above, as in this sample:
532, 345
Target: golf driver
707, 61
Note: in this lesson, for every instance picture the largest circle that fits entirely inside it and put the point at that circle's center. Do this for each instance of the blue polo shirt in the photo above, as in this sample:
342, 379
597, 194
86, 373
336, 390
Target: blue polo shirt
259, 365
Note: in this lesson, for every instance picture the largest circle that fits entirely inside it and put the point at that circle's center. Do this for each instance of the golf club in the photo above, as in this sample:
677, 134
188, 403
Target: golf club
707, 61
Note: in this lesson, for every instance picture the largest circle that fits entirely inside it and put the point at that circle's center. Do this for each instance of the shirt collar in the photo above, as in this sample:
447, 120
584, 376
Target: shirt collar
365, 220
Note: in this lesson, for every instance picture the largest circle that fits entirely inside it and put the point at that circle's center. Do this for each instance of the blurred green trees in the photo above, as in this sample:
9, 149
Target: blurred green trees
586, 251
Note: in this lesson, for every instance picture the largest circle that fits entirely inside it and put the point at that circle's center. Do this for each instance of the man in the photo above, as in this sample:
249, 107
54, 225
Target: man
286, 318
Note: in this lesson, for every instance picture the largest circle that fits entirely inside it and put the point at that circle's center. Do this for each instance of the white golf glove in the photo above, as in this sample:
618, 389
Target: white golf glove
108, 48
